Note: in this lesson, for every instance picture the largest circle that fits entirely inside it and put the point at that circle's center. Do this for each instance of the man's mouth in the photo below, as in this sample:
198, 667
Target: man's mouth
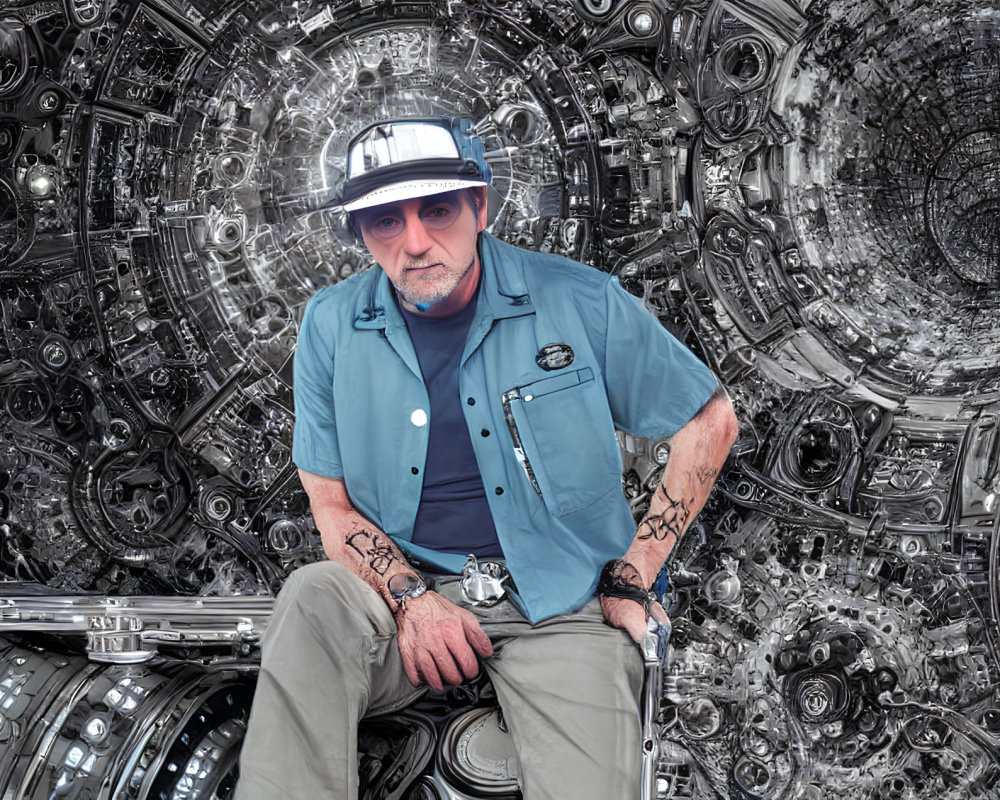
422, 267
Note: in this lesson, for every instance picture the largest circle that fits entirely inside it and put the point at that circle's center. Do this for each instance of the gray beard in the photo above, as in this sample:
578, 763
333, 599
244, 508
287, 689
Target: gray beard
424, 306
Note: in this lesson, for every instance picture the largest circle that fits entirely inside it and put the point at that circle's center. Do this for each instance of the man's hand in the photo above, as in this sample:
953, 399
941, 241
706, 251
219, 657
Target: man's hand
630, 616
439, 641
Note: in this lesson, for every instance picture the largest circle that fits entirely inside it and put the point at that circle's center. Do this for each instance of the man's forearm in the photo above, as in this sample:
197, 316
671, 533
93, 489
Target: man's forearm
350, 538
697, 453
439, 642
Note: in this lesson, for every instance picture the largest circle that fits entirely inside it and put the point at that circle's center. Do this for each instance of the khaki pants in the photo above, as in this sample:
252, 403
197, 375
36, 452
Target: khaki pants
569, 688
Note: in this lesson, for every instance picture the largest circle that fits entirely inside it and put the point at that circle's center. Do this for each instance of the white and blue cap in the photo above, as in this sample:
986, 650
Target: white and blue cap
399, 159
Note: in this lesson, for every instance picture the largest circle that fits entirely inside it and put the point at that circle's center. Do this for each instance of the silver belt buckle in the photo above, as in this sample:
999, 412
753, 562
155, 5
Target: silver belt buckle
482, 584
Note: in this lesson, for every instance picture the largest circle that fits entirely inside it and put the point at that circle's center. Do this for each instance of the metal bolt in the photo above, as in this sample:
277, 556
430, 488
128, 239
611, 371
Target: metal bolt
643, 23
55, 355
219, 507
96, 730
48, 101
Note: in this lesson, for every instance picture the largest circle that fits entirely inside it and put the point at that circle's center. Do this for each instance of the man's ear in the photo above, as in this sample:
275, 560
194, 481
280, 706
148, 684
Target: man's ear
480, 206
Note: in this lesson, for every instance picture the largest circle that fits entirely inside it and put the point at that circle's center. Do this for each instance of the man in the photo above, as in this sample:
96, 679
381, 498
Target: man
456, 409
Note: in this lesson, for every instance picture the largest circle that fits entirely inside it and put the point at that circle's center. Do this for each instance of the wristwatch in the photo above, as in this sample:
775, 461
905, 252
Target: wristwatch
405, 586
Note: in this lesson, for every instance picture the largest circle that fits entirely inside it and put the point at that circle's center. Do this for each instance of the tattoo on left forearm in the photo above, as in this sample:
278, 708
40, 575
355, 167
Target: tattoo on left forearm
377, 552
673, 519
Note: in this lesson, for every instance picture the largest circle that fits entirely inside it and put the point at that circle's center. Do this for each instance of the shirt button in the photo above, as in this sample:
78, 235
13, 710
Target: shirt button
414, 470
471, 401
499, 490
419, 417
484, 432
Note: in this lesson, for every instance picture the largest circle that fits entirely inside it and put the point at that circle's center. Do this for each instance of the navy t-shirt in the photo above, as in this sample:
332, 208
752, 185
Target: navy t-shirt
454, 515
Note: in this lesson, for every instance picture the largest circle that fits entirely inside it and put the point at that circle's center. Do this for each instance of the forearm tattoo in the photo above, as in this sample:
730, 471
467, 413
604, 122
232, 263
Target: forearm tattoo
377, 550
673, 519
707, 474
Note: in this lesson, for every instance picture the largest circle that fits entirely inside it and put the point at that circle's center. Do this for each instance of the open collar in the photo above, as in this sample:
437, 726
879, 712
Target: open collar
503, 291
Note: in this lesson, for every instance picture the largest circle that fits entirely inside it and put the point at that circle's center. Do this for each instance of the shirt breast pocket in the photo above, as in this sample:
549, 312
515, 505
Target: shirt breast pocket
564, 438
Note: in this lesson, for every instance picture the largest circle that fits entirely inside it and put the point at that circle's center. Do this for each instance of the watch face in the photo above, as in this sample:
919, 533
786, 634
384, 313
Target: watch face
406, 585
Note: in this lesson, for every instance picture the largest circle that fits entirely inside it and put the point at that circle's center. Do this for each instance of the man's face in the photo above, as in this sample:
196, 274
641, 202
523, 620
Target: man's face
427, 247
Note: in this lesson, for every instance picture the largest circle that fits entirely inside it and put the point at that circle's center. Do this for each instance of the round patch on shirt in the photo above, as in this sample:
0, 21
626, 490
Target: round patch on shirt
419, 417
554, 356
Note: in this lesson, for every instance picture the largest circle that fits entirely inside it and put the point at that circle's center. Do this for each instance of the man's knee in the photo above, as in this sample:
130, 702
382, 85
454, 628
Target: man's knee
316, 578
327, 591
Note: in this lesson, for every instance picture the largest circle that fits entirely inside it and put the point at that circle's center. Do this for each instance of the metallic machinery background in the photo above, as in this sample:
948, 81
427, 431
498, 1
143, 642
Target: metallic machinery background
808, 194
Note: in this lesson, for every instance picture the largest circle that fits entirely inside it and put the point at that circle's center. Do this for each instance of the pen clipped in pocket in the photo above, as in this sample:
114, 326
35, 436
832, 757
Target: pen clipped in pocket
564, 438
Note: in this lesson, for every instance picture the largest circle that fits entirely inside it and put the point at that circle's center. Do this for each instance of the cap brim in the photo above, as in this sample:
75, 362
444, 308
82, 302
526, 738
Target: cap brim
405, 190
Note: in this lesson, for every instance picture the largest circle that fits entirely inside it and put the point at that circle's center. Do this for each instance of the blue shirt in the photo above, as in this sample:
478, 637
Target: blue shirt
362, 411
454, 514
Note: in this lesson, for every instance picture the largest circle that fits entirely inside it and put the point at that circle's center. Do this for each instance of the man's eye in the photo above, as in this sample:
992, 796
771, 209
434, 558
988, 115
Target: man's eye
438, 215
381, 227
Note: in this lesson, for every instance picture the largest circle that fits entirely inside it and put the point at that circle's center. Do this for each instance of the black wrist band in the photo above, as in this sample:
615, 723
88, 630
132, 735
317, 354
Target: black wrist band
611, 584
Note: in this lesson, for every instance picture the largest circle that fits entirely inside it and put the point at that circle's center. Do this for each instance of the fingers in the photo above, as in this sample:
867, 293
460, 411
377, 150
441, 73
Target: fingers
429, 671
420, 664
476, 636
465, 658
636, 626
444, 665
456, 657
625, 614
409, 665
439, 642
446, 668
657, 612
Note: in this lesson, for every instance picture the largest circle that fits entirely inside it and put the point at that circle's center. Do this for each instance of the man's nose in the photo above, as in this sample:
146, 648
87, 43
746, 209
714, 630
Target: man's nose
416, 238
